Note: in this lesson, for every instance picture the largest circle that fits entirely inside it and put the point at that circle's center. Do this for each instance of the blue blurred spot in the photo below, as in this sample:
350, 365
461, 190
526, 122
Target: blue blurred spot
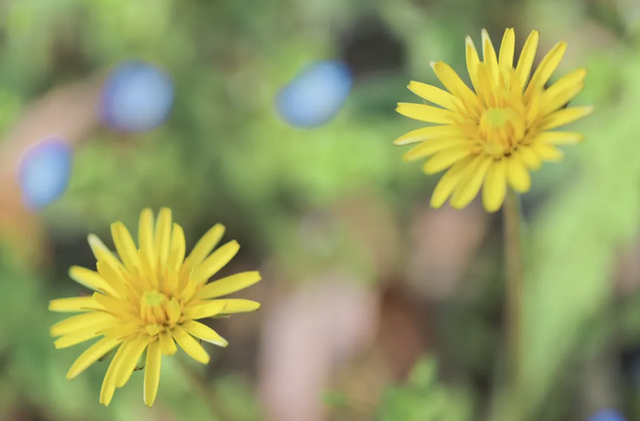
44, 172
315, 95
136, 97
607, 415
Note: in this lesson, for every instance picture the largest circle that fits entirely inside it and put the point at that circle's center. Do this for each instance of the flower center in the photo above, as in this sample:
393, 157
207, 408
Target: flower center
158, 311
501, 129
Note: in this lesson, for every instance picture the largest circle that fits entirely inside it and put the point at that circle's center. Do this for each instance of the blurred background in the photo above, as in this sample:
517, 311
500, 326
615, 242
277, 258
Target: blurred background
276, 119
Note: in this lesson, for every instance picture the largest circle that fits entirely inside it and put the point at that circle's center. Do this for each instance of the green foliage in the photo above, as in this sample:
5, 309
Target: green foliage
576, 236
224, 156
423, 399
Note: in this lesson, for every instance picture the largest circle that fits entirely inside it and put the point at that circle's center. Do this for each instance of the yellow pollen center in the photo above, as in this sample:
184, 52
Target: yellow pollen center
495, 117
501, 129
153, 298
158, 312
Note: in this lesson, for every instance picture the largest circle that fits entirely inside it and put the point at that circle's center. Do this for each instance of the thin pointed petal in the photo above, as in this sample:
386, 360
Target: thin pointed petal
507, 49
215, 262
518, 174
190, 345
449, 181
523, 69
436, 95
489, 56
91, 355
152, 373
125, 246
495, 186
162, 238
205, 333
469, 187
228, 285
426, 133
564, 116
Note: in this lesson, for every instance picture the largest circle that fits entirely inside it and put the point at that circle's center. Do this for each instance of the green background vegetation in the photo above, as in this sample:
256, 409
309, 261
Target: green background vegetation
224, 156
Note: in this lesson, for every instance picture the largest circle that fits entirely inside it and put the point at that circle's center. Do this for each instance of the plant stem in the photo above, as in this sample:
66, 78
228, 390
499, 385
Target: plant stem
514, 284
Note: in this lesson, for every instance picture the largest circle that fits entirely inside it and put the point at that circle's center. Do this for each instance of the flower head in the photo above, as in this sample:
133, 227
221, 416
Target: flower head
493, 136
148, 299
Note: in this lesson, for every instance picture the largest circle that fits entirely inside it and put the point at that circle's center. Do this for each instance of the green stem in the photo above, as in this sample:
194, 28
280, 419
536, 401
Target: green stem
514, 284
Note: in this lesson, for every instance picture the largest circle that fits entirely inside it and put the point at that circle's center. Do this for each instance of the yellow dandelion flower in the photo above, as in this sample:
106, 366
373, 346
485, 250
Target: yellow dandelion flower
494, 135
148, 299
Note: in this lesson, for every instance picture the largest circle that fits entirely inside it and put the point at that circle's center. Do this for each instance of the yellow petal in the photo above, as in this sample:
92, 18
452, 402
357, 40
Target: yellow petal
75, 304
148, 278
120, 308
551, 104
489, 56
207, 309
122, 330
152, 373
215, 262
455, 85
563, 91
152, 330
91, 355
566, 82
507, 49
113, 279
430, 147
436, 96
83, 335
174, 310
108, 384
204, 246
547, 152
517, 174
515, 88
529, 157
527, 56
167, 344
130, 359
162, 238
448, 182
172, 283
472, 62
80, 322
101, 252
190, 345
125, 246
234, 305
205, 333
89, 279
145, 235
177, 247
189, 289
469, 186
427, 133
546, 68
486, 87
426, 113
495, 186
559, 138
228, 285
145, 229
445, 159
564, 116
533, 109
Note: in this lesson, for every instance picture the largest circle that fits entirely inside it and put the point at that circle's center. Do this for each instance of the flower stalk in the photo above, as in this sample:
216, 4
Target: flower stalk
514, 284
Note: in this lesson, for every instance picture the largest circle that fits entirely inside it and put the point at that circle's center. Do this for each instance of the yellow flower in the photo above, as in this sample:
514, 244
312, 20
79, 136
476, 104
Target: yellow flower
493, 136
149, 299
